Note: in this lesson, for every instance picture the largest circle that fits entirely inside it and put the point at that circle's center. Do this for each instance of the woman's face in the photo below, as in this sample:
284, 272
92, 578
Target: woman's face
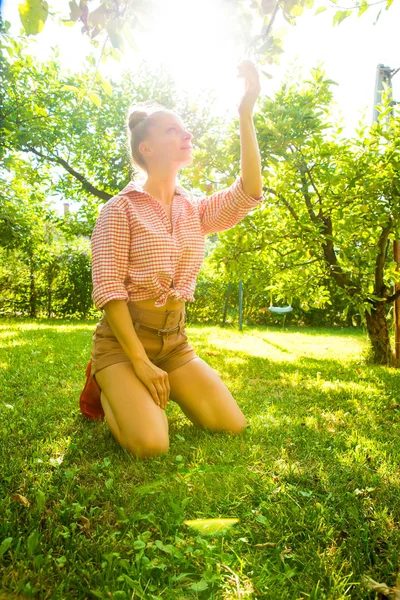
168, 141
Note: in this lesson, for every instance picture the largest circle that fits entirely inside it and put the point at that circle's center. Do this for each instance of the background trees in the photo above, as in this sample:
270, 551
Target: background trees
320, 239
332, 207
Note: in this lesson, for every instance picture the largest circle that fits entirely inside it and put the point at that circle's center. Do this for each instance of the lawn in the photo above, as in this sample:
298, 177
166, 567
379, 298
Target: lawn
314, 480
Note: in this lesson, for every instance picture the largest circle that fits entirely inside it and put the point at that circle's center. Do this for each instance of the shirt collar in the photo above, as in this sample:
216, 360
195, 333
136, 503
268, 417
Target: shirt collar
134, 187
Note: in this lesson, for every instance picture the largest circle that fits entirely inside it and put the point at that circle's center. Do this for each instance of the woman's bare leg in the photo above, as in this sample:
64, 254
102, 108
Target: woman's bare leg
136, 422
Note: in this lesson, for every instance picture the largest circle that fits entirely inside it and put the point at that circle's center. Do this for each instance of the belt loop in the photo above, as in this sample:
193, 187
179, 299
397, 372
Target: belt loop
136, 325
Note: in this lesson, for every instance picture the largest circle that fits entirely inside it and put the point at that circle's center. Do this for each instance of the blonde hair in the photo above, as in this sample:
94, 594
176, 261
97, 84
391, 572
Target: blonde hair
140, 118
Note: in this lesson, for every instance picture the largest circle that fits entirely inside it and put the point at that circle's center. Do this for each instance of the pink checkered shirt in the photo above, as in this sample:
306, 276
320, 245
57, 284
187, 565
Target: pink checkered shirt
137, 254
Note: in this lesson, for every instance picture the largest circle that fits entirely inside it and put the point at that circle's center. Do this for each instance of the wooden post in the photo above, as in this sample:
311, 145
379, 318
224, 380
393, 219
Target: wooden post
396, 311
228, 293
240, 305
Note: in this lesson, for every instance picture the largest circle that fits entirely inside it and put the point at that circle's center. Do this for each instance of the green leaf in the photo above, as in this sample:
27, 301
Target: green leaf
340, 15
98, 16
114, 32
33, 541
5, 544
129, 581
200, 586
319, 10
127, 31
69, 88
95, 99
33, 15
106, 87
262, 519
75, 11
41, 499
297, 10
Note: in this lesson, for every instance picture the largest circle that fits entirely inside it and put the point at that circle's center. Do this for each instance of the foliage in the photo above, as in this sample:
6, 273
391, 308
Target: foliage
50, 116
315, 473
312, 239
113, 22
332, 206
61, 275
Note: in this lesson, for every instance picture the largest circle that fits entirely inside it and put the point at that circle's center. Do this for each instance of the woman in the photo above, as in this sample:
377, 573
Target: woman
147, 250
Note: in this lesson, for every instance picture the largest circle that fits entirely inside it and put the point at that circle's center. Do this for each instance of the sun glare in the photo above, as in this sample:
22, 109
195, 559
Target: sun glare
197, 44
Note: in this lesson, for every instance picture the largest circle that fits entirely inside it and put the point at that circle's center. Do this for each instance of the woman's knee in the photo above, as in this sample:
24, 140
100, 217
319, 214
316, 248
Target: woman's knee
239, 425
146, 446
233, 425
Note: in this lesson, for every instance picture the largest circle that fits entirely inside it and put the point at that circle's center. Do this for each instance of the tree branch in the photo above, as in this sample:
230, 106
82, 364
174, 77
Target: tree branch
306, 195
307, 262
85, 183
272, 19
284, 201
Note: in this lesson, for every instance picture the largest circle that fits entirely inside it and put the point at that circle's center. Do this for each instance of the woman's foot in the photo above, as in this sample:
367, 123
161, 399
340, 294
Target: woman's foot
89, 402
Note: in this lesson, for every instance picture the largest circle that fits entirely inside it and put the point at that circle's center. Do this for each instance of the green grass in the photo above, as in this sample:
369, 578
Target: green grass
314, 480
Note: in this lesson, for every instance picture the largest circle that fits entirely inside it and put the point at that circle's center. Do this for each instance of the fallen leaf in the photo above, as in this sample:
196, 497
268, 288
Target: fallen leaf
271, 544
286, 551
21, 499
394, 406
85, 523
374, 586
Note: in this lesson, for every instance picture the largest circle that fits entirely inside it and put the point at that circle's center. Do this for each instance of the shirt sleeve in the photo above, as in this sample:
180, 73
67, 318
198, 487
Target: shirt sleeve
110, 256
225, 208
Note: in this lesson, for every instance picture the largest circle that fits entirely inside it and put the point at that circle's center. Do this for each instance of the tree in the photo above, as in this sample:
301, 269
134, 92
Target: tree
54, 140
111, 23
49, 116
332, 206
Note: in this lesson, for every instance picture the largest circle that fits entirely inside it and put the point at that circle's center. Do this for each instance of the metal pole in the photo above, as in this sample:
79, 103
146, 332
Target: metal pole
226, 303
384, 76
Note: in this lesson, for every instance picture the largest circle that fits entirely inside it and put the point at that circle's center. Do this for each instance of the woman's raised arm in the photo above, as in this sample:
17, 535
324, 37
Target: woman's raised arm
250, 160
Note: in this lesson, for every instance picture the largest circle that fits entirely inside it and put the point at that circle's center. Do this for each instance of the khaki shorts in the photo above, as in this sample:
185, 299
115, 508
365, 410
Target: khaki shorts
168, 350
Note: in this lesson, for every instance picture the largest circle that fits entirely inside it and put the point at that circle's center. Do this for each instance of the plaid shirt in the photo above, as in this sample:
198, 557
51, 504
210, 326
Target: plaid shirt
138, 254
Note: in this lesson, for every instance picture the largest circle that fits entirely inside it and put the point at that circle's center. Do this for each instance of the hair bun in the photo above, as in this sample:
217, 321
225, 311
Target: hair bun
136, 117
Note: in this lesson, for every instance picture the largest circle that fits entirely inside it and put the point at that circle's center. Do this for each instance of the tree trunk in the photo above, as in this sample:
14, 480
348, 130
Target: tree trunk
378, 333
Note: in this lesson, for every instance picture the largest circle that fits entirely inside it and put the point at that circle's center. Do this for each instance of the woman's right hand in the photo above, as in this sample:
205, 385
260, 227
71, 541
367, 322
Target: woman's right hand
155, 379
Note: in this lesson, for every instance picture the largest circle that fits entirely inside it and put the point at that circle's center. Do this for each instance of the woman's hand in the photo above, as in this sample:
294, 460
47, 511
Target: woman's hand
247, 69
155, 379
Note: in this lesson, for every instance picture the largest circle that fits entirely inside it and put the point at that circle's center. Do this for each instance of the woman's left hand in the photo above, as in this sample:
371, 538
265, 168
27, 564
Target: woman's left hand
247, 69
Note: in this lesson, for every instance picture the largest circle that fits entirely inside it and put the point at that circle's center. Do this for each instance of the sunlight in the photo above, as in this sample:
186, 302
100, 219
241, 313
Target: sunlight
198, 46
